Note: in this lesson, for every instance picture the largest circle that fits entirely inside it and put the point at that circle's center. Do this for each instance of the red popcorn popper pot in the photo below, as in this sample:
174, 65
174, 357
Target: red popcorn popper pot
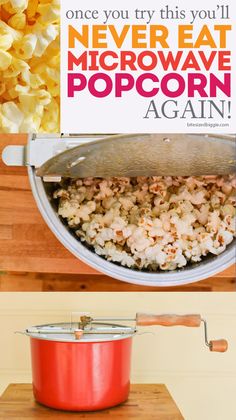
85, 365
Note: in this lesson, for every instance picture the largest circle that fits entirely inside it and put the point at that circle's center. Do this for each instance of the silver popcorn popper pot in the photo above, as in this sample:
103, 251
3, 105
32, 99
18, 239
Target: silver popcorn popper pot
49, 158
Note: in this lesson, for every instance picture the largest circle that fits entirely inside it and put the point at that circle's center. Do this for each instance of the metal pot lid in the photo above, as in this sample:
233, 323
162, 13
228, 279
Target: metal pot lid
145, 155
67, 332
79, 156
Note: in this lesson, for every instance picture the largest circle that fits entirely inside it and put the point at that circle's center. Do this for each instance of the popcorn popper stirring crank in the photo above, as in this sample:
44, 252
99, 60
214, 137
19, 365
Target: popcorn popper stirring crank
52, 158
84, 364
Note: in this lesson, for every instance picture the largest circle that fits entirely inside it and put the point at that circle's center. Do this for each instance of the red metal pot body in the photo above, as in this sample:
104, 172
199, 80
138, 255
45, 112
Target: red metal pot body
84, 376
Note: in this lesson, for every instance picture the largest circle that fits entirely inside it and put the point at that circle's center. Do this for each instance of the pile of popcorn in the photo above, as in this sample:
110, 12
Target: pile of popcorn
151, 222
29, 66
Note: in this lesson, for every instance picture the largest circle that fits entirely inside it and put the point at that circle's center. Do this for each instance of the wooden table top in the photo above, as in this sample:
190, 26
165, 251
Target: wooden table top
32, 259
145, 402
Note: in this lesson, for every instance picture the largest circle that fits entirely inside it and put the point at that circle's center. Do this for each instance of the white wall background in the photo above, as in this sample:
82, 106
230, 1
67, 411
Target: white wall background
202, 383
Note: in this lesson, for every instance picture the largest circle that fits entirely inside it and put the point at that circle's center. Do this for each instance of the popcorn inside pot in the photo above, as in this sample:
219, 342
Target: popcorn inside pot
151, 223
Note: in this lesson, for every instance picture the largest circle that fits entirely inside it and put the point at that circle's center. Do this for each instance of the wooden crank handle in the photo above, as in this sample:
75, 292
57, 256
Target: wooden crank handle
79, 334
168, 320
219, 346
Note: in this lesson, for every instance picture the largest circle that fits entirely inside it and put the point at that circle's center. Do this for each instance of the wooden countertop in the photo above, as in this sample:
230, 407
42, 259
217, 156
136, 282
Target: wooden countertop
145, 402
32, 259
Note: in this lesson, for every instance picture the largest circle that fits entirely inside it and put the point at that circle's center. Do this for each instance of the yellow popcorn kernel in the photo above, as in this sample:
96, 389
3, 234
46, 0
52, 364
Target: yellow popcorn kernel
22, 89
50, 120
3, 2
8, 30
16, 67
54, 90
26, 46
28, 101
49, 13
12, 94
54, 61
17, 21
52, 74
44, 37
53, 87
7, 7
2, 88
6, 42
10, 84
52, 50
32, 8
43, 97
18, 89
39, 110
5, 60
6, 96
10, 117
37, 65
32, 80
19, 5
4, 14
31, 124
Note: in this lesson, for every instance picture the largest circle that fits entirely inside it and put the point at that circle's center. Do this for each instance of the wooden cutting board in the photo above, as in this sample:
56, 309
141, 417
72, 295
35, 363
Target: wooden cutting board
145, 402
26, 243
28, 247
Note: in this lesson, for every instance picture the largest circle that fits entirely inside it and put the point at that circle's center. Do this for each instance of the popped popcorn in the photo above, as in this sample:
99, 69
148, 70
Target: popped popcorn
151, 223
29, 66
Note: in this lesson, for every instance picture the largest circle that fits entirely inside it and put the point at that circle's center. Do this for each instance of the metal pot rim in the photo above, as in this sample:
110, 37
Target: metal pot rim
55, 336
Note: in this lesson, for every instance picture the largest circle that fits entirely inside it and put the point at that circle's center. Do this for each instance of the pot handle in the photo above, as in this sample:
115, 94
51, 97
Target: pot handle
219, 346
168, 320
14, 155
